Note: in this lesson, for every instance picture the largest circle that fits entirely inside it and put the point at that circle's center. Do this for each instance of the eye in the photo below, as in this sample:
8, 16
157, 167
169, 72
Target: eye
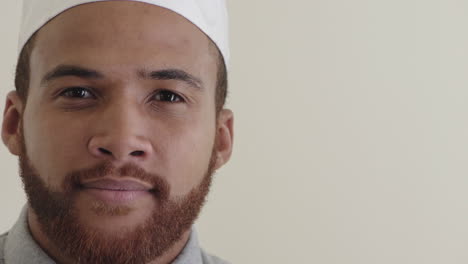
77, 92
168, 96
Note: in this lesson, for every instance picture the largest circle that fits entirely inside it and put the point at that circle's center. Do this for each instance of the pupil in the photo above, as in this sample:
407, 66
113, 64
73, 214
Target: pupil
168, 97
78, 93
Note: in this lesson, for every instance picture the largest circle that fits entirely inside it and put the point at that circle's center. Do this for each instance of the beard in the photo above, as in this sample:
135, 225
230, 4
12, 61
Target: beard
59, 218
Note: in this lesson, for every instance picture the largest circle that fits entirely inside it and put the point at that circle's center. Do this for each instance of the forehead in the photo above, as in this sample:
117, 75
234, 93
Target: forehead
123, 33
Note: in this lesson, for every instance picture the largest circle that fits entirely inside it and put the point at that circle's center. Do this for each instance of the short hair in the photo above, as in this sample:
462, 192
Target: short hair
23, 71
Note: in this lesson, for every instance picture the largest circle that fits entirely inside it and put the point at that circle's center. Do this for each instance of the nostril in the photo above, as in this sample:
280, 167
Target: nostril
137, 153
105, 151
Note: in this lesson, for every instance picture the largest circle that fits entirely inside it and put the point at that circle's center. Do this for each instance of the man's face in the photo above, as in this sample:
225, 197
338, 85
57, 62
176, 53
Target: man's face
120, 119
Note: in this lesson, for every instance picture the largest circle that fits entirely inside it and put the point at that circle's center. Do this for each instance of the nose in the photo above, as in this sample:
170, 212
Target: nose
120, 137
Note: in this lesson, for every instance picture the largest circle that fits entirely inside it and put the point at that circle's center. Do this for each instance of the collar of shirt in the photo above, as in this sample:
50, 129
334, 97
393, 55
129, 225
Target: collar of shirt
21, 248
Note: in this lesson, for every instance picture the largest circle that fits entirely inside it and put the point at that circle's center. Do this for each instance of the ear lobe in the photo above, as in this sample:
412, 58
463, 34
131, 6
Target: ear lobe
12, 115
224, 137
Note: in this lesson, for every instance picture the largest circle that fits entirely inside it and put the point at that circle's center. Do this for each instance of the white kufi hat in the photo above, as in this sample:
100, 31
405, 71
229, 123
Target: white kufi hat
208, 15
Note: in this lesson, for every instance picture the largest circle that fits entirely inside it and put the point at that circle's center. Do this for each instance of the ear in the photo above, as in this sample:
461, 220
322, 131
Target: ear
225, 137
12, 115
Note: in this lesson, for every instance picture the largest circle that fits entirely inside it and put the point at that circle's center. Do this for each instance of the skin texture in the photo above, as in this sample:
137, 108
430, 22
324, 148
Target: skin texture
119, 118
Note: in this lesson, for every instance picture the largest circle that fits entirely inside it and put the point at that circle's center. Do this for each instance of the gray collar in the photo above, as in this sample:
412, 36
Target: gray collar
21, 248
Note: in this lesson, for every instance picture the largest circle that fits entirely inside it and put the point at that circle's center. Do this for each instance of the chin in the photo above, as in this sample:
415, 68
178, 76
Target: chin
110, 218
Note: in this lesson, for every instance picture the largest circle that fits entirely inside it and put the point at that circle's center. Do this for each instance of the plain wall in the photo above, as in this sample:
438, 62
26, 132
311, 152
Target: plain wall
351, 133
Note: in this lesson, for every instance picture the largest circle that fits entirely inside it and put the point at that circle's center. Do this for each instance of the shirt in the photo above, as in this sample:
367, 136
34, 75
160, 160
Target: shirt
18, 247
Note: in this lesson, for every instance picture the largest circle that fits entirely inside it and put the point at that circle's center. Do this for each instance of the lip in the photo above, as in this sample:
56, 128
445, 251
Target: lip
116, 185
116, 191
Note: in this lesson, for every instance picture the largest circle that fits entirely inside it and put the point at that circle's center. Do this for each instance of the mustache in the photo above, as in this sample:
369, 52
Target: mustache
73, 180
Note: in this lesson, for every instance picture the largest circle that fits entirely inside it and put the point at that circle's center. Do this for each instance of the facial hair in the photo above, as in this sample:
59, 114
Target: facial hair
58, 216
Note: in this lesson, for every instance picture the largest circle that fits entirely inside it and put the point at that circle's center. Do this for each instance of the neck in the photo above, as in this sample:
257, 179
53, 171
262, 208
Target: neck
55, 253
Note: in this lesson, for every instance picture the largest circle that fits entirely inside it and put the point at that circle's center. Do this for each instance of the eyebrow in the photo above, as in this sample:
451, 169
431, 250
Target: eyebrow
71, 70
172, 74
166, 74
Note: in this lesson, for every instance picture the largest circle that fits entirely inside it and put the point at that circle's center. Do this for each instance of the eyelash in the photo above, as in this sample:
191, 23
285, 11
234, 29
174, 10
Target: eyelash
66, 93
174, 97
170, 97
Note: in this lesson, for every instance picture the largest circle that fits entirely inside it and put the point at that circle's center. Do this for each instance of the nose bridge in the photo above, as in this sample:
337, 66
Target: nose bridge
120, 133
122, 118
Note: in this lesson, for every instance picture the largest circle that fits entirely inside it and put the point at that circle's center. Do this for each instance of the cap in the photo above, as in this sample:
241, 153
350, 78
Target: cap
210, 16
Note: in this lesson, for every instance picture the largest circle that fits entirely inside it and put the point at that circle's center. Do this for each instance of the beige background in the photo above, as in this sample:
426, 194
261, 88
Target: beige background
351, 133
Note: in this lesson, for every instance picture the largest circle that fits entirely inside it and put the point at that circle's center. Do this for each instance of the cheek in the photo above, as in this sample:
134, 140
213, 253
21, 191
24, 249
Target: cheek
52, 145
188, 156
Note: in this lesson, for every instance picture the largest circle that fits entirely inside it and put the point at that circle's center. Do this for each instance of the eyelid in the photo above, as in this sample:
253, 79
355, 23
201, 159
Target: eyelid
183, 99
63, 90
